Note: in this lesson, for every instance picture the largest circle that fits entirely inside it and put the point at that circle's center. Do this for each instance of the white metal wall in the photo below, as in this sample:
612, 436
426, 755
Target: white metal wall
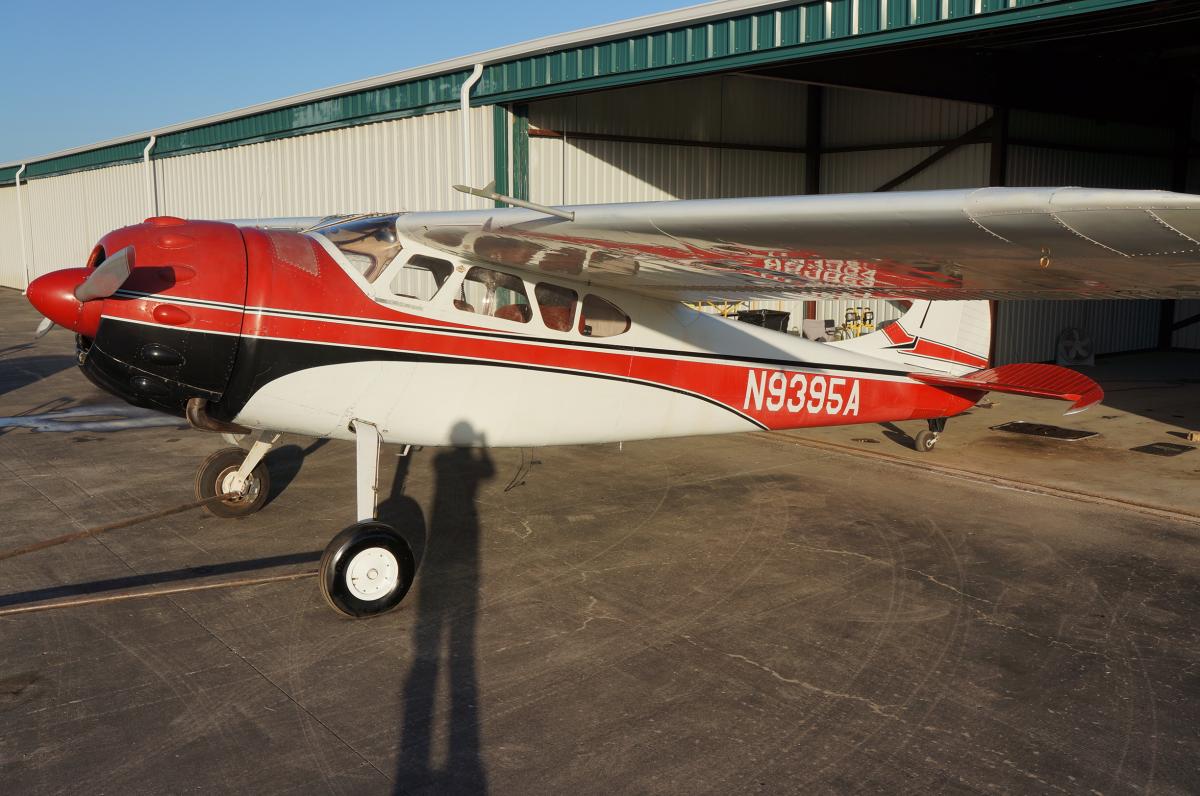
868, 118
67, 214
726, 110
12, 269
404, 164
401, 164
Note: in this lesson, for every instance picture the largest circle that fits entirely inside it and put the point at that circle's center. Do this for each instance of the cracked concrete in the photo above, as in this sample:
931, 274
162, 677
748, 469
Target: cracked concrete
704, 615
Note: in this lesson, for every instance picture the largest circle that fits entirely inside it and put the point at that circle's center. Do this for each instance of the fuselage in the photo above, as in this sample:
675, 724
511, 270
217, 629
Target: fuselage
303, 333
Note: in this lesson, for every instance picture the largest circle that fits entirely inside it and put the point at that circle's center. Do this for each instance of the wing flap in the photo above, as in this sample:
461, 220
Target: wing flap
1038, 381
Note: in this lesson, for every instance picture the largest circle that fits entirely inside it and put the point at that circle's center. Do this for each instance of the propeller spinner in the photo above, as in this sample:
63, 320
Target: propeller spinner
68, 297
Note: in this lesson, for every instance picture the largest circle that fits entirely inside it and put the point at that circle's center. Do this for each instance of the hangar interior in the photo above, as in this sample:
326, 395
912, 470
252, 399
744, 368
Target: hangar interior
722, 100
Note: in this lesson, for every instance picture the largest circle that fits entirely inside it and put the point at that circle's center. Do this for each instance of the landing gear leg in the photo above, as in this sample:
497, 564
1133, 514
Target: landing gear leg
239, 474
927, 439
367, 568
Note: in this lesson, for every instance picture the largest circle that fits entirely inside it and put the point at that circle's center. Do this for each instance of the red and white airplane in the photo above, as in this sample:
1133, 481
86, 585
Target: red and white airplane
535, 326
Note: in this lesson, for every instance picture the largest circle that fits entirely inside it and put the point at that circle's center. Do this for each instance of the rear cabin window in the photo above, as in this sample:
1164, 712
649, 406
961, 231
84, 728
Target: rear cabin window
557, 305
421, 277
601, 318
494, 293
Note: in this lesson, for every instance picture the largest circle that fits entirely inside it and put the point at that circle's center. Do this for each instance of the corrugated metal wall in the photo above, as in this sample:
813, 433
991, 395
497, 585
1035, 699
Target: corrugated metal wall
1188, 336
1028, 331
12, 273
893, 122
394, 165
871, 118
729, 111
67, 214
402, 164
888, 128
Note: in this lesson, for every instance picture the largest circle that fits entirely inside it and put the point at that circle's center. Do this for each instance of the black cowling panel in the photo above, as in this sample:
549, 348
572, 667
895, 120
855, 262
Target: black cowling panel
157, 366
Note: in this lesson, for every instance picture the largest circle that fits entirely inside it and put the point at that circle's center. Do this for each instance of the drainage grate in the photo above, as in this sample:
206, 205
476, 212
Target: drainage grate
1043, 430
1163, 449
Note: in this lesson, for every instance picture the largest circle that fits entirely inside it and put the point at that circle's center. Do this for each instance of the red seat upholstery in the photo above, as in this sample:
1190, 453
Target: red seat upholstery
557, 318
514, 312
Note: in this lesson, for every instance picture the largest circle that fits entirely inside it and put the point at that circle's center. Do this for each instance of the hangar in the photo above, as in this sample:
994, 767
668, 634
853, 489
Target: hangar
731, 98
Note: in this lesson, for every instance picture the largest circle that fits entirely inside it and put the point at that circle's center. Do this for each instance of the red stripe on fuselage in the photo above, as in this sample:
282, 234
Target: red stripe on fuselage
725, 383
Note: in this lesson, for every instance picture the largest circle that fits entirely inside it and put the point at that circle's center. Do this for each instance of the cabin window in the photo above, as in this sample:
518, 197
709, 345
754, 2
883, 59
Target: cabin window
421, 277
494, 293
369, 243
602, 318
557, 305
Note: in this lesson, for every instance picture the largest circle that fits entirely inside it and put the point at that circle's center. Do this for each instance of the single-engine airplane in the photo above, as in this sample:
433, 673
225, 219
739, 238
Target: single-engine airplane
530, 325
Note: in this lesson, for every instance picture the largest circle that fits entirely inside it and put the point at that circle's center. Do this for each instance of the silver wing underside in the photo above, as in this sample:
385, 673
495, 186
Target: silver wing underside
1040, 243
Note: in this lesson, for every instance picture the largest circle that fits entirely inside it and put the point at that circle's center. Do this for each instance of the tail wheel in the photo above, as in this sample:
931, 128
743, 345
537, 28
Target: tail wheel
366, 570
215, 477
925, 440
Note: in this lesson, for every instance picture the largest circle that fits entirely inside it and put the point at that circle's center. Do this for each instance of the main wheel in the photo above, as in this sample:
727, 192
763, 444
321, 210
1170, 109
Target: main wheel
924, 441
216, 475
366, 570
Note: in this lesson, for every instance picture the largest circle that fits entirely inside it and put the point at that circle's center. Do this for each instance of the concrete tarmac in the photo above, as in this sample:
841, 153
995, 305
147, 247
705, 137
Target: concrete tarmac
750, 613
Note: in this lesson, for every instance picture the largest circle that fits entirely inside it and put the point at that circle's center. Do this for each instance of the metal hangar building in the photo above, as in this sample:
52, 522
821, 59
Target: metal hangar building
731, 98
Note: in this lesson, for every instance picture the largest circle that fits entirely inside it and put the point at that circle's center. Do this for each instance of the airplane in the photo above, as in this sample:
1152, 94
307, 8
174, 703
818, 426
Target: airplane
530, 325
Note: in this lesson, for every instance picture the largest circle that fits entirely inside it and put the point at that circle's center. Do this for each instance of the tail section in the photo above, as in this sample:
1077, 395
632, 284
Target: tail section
951, 337
1040, 381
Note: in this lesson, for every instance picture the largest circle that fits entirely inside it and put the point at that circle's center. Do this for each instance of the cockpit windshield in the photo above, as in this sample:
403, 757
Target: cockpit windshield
368, 242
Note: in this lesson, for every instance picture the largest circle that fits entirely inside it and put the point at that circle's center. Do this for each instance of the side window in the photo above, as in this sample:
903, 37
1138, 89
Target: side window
493, 293
601, 318
557, 305
421, 277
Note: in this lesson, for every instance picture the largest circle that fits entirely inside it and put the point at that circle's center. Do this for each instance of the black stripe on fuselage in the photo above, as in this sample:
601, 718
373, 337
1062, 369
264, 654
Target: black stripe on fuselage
262, 360
526, 338
517, 337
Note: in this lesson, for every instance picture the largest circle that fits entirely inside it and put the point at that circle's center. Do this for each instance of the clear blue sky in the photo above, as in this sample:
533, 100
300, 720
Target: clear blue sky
75, 72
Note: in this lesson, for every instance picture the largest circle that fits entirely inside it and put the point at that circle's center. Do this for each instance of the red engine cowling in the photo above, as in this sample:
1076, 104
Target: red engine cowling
171, 331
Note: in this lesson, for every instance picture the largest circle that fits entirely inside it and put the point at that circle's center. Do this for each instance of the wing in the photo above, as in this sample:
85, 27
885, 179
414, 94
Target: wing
982, 243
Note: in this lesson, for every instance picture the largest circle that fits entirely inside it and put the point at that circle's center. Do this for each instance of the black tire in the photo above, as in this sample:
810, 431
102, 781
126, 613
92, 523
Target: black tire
353, 557
213, 472
924, 441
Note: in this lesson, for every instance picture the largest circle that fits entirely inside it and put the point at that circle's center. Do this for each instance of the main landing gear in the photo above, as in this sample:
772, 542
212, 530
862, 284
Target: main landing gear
368, 568
927, 438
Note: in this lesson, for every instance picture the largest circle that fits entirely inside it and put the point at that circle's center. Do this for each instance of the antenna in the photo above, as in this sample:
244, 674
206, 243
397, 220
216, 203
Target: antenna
489, 192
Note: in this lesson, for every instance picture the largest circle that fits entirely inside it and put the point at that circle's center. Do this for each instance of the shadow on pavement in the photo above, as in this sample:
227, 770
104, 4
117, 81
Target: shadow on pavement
154, 578
447, 609
23, 371
284, 464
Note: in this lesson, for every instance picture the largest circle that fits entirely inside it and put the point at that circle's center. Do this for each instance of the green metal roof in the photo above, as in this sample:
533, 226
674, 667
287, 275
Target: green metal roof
743, 38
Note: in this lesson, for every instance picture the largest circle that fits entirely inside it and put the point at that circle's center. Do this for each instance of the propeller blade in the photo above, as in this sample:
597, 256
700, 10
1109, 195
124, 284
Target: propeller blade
42, 328
108, 277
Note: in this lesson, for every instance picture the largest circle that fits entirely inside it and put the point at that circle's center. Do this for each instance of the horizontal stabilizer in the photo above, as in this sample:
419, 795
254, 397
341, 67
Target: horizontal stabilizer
1039, 381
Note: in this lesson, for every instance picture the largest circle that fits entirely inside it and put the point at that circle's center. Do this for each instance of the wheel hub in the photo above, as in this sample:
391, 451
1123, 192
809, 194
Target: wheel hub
248, 491
373, 573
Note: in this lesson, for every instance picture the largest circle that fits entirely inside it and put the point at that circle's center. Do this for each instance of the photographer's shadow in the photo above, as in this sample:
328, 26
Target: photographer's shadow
443, 640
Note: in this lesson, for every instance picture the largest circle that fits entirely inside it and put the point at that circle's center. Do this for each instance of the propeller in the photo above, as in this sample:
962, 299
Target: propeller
107, 277
67, 297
